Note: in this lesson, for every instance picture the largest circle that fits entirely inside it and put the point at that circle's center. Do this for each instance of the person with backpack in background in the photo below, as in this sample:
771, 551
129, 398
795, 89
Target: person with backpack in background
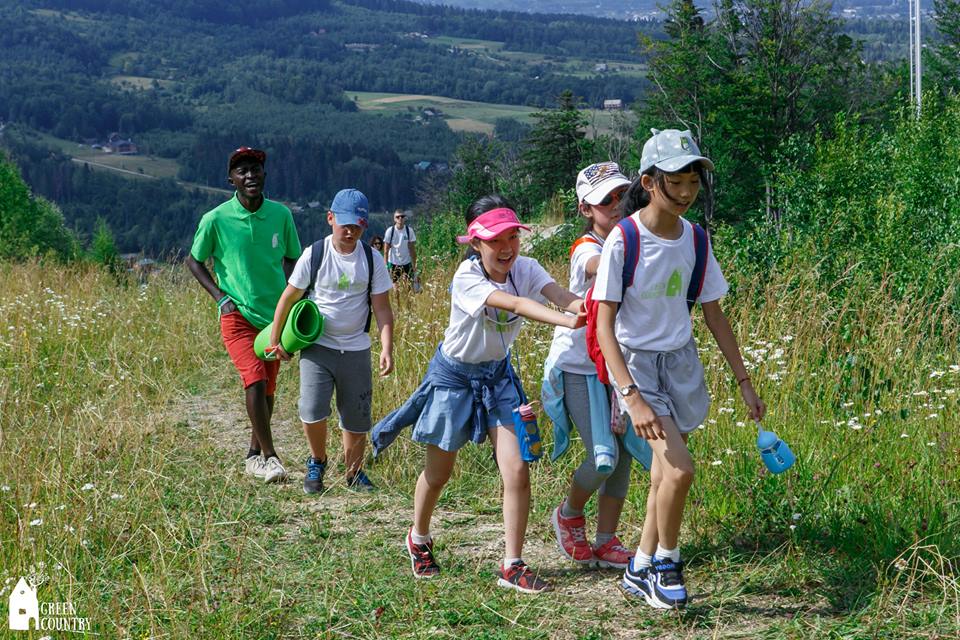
572, 390
470, 390
645, 333
400, 250
253, 242
349, 283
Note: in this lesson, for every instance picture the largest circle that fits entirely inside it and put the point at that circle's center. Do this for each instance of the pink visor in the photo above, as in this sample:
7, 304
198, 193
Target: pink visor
491, 224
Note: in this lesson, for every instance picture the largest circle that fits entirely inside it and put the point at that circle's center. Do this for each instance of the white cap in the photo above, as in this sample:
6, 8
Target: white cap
671, 150
595, 182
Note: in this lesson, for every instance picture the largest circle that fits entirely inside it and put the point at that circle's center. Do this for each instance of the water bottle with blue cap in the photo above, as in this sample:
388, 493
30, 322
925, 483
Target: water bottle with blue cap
773, 451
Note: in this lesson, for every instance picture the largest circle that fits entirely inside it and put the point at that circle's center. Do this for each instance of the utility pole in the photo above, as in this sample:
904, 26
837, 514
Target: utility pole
916, 72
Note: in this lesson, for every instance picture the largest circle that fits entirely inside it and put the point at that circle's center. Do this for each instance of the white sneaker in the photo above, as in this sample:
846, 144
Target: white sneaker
273, 470
254, 466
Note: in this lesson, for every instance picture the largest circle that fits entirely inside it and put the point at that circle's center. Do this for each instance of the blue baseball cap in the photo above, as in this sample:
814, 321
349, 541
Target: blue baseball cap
350, 207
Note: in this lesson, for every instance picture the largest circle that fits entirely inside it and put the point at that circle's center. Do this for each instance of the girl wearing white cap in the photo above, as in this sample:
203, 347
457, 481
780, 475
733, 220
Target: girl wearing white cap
470, 389
572, 392
649, 347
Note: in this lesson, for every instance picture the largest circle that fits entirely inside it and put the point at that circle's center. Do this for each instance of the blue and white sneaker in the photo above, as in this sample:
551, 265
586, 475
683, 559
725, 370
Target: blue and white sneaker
360, 482
313, 480
636, 581
665, 580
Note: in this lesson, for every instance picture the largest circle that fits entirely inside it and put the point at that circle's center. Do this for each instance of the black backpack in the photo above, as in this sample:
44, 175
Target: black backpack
316, 259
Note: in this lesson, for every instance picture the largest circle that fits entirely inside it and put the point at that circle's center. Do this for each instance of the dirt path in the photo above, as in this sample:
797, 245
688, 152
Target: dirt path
729, 613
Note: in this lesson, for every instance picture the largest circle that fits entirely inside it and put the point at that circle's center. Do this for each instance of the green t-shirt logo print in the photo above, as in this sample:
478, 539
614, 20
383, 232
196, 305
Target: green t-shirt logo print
343, 283
674, 284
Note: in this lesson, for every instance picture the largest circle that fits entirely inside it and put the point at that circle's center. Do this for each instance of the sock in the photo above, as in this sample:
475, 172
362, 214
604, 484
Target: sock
663, 554
567, 512
416, 538
317, 460
603, 538
253, 453
642, 560
509, 561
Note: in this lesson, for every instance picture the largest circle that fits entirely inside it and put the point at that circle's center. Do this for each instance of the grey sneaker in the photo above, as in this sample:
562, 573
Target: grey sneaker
253, 466
273, 470
313, 480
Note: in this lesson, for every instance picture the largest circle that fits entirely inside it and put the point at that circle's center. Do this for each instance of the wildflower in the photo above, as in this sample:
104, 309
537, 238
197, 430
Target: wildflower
716, 463
796, 517
904, 435
936, 374
931, 444
740, 423
793, 527
36, 523
87, 487
5, 488
787, 338
116, 496
30, 506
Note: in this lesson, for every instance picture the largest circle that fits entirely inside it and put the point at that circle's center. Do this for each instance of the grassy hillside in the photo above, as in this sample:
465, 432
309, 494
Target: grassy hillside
123, 431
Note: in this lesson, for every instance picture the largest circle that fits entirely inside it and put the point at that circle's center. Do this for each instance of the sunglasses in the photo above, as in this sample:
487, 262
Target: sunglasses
612, 197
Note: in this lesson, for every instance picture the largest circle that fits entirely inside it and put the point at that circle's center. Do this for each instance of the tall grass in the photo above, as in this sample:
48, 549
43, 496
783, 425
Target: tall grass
141, 518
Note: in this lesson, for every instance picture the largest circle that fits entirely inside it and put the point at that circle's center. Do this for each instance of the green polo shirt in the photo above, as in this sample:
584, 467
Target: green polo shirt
248, 249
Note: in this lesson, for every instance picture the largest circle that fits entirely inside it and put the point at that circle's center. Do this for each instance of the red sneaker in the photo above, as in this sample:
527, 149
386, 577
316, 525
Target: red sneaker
519, 576
613, 554
421, 558
571, 537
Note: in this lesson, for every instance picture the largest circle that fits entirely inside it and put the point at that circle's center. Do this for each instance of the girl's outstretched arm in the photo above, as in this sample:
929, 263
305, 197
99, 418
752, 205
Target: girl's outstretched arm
288, 298
720, 328
535, 311
562, 297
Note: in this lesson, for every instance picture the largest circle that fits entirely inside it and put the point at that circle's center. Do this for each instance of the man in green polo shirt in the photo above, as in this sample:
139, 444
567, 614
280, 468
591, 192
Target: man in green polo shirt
254, 246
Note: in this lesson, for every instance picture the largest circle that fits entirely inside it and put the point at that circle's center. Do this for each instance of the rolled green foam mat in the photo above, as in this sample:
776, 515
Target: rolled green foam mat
304, 325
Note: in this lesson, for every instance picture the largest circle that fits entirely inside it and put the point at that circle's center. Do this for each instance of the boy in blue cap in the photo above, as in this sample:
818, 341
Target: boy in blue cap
349, 282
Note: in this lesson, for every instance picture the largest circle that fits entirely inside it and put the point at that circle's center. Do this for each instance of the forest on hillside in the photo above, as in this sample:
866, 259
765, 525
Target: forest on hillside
189, 80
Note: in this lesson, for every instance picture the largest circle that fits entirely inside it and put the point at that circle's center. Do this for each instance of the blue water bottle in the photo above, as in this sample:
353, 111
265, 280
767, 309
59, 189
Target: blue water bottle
773, 451
528, 433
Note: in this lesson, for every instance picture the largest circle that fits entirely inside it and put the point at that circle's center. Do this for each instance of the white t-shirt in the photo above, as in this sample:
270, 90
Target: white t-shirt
341, 293
478, 333
653, 315
568, 352
399, 244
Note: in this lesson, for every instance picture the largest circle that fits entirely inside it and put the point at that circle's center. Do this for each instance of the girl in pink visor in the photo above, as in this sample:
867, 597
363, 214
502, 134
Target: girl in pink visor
470, 389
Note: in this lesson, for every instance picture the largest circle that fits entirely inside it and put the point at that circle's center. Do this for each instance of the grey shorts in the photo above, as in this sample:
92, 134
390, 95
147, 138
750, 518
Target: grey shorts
672, 383
323, 370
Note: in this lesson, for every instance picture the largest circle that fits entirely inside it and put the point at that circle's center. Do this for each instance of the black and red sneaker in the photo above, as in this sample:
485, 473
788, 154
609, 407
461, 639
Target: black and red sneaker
519, 576
421, 558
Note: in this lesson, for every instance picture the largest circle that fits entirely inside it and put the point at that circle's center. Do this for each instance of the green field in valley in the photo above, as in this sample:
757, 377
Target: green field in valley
474, 117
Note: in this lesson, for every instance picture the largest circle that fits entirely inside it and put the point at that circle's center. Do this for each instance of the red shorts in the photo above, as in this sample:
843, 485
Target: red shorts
238, 336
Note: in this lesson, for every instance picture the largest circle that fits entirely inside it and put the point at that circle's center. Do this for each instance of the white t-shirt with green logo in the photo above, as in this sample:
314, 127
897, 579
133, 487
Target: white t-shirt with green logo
476, 332
341, 293
654, 315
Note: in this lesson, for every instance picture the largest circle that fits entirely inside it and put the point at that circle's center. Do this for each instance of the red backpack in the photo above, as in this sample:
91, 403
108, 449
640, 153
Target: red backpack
631, 249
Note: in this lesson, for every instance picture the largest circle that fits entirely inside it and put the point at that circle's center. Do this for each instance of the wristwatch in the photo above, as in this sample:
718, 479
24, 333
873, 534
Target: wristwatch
625, 390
